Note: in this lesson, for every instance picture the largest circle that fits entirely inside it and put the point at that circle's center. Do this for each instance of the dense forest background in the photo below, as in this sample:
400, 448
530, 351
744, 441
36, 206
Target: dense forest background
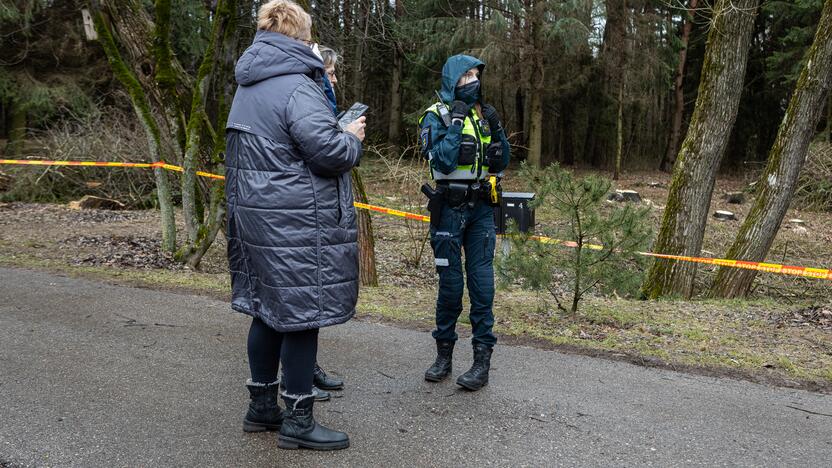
565, 75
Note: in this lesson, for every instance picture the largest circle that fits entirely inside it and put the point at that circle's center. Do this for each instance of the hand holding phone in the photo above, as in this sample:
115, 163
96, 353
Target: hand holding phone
357, 127
352, 114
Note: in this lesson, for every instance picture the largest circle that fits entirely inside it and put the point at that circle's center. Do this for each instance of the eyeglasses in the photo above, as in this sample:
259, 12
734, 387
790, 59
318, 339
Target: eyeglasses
331, 74
308, 42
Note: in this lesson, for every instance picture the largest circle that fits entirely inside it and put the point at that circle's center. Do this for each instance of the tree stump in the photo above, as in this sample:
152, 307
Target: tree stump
625, 196
723, 215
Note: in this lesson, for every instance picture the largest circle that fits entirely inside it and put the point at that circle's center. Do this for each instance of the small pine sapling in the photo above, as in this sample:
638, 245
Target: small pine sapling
603, 240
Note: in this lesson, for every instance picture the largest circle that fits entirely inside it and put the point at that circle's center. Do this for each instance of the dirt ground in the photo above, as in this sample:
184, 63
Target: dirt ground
782, 335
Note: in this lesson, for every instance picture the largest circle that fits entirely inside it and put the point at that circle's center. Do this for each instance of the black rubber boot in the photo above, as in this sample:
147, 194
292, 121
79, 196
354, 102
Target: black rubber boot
263, 414
299, 429
477, 375
441, 367
326, 382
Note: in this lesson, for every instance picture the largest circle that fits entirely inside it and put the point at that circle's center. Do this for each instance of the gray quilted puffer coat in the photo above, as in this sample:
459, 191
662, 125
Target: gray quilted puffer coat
292, 236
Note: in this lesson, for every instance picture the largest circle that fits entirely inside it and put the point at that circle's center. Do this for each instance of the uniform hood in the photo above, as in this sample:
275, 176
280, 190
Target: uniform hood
454, 68
274, 54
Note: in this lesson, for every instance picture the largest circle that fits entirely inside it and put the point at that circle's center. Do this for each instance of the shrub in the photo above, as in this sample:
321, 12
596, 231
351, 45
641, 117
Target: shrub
582, 220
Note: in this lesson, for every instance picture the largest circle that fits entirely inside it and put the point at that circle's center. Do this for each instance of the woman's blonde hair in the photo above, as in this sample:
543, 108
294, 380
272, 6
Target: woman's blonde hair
285, 17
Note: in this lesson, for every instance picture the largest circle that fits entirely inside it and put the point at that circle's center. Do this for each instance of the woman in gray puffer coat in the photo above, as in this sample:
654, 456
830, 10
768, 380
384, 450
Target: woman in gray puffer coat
292, 236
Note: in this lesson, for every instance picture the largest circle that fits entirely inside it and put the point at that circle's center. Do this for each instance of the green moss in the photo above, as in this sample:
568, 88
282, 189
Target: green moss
165, 76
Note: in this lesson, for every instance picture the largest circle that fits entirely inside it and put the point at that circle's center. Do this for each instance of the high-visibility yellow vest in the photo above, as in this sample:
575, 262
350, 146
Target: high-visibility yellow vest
472, 127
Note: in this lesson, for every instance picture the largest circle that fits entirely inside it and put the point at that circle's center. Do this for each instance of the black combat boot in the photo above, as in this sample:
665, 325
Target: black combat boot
441, 368
477, 375
263, 414
326, 382
299, 429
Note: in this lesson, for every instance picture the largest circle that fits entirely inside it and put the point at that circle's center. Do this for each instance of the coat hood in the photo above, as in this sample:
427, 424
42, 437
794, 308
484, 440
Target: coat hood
454, 68
274, 54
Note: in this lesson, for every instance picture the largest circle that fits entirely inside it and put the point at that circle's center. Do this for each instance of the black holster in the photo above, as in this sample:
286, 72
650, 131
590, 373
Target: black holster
435, 199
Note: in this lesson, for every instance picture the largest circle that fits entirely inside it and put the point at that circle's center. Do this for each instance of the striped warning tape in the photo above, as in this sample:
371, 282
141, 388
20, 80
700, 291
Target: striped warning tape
818, 273
33, 162
805, 272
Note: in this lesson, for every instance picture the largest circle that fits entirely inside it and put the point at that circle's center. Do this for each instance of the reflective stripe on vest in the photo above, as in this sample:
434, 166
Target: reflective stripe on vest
478, 170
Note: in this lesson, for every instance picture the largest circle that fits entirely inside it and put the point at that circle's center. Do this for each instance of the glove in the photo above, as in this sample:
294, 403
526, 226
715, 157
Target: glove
493, 118
494, 157
459, 110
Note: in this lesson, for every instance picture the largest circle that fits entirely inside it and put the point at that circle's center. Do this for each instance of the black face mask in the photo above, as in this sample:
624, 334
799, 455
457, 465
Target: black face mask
468, 93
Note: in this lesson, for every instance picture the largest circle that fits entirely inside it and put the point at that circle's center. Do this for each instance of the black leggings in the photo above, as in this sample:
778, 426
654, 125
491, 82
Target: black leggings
298, 351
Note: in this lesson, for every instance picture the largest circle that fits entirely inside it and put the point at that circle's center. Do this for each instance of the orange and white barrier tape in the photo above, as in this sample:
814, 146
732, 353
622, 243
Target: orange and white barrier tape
817, 273
805, 272
32, 162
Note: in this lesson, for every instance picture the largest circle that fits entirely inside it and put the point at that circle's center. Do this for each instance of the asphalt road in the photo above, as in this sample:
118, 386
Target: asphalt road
99, 375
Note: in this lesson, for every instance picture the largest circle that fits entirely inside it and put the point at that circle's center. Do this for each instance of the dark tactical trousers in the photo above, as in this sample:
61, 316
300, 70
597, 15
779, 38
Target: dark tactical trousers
471, 229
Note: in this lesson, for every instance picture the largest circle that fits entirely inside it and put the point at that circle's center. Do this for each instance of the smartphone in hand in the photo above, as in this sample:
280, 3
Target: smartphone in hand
352, 114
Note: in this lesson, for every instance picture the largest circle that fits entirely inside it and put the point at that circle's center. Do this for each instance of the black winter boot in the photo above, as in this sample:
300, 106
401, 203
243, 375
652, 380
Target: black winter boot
326, 382
441, 367
263, 414
299, 429
477, 375
320, 395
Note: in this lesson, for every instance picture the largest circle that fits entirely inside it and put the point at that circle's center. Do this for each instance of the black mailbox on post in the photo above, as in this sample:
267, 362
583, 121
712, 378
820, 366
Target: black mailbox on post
514, 205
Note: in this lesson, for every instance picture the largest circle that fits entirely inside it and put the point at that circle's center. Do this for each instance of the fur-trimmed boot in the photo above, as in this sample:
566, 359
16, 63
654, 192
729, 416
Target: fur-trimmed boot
263, 414
299, 429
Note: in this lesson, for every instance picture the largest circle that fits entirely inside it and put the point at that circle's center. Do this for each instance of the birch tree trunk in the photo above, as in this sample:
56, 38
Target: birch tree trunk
785, 160
691, 187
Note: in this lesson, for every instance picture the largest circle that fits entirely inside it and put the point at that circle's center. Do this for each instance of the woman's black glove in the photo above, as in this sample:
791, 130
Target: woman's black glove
493, 118
459, 110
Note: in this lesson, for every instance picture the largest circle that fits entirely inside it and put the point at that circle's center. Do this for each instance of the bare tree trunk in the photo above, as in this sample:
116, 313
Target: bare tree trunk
395, 119
537, 89
366, 241
720, 88
785, 160
679, 92
829, 120
619, 146
217, 60
17, 132
357, 61
141, 106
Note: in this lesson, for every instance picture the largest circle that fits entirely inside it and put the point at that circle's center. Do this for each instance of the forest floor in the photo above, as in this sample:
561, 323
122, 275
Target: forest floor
782, 335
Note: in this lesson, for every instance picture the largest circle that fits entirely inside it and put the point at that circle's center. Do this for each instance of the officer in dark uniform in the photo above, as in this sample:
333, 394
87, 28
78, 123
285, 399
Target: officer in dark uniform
464, 140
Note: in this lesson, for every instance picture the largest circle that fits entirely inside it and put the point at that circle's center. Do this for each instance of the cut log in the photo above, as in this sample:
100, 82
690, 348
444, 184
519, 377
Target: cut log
723, 215
625, 196
89, 202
